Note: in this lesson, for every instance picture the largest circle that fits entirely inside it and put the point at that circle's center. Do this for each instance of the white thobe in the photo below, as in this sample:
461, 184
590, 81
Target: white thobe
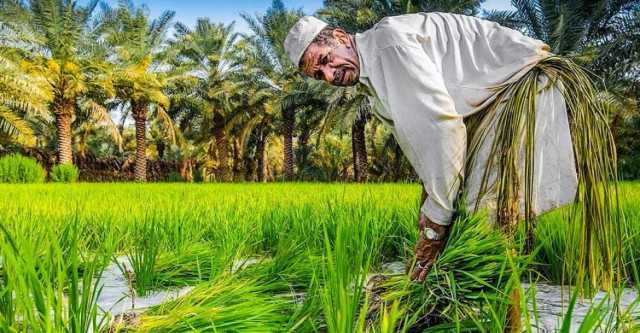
428, 71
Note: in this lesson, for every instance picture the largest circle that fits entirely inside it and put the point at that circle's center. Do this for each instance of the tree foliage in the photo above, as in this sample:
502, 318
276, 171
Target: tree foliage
96, 82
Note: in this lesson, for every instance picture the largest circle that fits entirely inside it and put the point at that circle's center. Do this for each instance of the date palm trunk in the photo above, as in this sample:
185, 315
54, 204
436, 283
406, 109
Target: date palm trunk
160, 146
222, 150
64, 118
360, 165
237, 159
186, 170
260, 156
289, 118
397, 170
140, 110
249, 167
372, 141
303, 147
355, 153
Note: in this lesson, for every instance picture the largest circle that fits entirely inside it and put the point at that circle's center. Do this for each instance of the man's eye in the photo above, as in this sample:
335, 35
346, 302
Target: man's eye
325, 60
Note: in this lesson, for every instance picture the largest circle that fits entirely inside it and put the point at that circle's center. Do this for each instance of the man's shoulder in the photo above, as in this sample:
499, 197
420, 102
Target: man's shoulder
421, 20
409, 20
393, 30
401, 29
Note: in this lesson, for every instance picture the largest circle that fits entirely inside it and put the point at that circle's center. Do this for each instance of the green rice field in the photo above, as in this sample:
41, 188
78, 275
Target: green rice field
283, 257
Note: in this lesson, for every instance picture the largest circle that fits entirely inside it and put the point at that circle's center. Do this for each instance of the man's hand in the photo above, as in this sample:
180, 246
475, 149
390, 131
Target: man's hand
427, 250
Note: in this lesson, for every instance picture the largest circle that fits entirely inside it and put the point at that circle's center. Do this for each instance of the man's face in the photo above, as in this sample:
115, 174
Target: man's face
335, 62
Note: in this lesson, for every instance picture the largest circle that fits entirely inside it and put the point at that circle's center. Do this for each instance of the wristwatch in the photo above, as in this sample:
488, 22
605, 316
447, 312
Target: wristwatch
431, 234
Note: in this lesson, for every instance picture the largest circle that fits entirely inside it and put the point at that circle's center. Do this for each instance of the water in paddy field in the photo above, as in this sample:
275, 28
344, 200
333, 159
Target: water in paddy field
551, 302
116, 296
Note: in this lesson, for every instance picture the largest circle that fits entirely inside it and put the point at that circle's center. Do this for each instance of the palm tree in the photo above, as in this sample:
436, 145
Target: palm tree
349, 109
208, 55
56, 31
571, 27
252, 117
291, 90
258, 116
138, 81
360, 15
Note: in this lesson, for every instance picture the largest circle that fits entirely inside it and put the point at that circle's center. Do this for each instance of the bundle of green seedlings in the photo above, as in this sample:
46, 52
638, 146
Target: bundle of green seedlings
469, 286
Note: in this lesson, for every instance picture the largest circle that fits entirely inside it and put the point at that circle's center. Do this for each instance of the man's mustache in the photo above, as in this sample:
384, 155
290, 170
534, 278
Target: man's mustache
338, 76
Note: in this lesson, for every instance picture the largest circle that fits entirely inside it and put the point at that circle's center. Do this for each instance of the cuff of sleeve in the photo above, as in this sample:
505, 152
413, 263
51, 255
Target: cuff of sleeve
436, 213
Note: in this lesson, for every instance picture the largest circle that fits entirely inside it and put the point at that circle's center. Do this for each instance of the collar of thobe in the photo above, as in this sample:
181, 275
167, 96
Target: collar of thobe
361, 45
363, 75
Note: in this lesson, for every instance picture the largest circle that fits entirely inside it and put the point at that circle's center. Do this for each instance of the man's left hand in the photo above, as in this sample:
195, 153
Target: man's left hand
428, 249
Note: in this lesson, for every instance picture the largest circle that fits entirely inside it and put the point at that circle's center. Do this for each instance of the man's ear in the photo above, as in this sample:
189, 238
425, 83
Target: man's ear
341, 36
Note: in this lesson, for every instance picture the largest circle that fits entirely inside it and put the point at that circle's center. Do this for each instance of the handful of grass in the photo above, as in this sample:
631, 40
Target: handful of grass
475, 270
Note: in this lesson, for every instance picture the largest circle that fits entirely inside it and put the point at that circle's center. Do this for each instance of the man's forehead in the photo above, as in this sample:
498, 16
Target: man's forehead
309, 57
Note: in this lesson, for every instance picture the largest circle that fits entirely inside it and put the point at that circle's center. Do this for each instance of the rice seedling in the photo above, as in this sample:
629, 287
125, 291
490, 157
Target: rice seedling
601, 316
57, 292
143, 255
197, 263
345, 274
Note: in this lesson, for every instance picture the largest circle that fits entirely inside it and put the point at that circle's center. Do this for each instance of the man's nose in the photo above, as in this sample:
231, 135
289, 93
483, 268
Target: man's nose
328, 72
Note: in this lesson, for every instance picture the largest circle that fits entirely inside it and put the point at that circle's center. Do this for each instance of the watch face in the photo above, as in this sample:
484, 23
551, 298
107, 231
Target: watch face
431, 234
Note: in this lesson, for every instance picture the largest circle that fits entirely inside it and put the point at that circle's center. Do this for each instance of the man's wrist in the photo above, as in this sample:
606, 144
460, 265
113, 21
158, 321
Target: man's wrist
431, 230
439, 228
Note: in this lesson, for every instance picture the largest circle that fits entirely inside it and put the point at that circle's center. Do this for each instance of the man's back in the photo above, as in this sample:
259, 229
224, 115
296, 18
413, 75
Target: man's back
430, 70
471, 54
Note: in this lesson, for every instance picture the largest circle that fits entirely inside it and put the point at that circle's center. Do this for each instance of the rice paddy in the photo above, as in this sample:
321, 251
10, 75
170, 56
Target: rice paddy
270, 258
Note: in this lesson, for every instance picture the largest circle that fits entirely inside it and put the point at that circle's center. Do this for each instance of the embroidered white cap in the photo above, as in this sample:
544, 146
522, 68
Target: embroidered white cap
301, 35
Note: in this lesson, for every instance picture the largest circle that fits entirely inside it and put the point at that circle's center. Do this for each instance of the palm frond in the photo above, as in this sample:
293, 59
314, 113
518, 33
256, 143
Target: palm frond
508, 18
15, 127
534, 19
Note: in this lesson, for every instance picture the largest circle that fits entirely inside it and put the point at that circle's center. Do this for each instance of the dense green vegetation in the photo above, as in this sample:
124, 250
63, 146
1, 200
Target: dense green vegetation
119, 87
252, 251
19, 169
64, 173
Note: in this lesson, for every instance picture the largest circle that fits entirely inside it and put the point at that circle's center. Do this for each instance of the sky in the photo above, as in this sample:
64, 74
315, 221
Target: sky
188, 11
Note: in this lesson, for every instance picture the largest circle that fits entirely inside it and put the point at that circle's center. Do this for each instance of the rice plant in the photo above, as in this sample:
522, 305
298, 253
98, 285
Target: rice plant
344, 272
54, 292
143, 255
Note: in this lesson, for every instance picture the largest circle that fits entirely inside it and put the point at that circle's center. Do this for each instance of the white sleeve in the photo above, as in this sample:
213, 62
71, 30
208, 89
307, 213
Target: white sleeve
426, 125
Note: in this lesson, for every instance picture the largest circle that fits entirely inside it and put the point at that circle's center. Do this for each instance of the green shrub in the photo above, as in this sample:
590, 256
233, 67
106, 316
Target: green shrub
175, 177
64, 173
198, 175
16, 168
